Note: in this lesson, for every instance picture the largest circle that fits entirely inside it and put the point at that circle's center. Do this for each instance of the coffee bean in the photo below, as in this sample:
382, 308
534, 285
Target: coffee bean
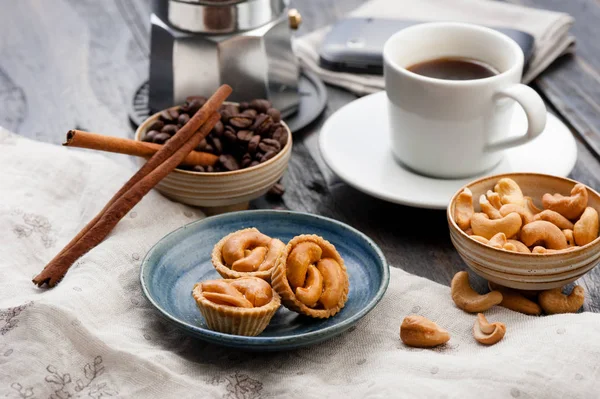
199, 168
225, 116
243, 106
275, 114
183, 119
241, 121
229, 136
185, 108
149, 136
254, 163
156, 125
160, 138
245, 135
194, 106
260, 119
174, 114
228, 162
217, 145
281, 135
253, 144
202, 146
261, 106
218, 129
166, 116
250, 112
273, 143
246, 160
268, 155
209, 148
277, 190
170, 129
210, 169
265, 126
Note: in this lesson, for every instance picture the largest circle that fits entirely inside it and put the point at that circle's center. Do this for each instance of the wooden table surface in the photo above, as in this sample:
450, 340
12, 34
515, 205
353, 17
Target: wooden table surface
75, 63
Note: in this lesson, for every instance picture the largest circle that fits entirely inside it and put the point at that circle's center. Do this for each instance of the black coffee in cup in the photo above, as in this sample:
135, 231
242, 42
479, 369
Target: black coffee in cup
454, 68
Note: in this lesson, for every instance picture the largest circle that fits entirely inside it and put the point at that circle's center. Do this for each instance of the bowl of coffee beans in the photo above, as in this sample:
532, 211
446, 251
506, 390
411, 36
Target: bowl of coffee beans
251, 148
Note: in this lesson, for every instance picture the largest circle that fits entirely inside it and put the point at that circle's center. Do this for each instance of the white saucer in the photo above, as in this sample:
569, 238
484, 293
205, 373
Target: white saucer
354, 142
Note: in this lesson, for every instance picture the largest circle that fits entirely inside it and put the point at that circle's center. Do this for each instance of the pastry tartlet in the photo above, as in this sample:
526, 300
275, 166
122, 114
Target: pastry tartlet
246, 252
242, 306
311, 278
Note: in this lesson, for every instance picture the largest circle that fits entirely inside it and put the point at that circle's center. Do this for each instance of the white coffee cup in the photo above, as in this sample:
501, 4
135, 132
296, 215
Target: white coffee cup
456, 128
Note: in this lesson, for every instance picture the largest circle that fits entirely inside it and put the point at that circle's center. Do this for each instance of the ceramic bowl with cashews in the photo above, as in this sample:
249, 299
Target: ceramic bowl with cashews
526, 230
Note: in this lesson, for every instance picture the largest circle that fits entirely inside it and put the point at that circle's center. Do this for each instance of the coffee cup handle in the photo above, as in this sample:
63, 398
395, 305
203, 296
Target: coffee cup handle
535, 110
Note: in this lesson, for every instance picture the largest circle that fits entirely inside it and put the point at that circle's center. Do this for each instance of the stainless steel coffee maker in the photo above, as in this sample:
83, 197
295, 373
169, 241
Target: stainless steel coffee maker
197, 45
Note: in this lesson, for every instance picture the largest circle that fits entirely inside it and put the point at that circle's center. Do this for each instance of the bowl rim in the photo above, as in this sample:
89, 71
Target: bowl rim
454, 226
262, 342
286, 148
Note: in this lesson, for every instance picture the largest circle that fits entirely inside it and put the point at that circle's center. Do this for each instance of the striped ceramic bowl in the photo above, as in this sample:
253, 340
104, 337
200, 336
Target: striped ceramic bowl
519, 270
221, 191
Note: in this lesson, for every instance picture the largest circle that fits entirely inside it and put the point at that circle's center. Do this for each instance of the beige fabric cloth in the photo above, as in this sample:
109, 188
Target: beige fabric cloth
550, 30
95, 335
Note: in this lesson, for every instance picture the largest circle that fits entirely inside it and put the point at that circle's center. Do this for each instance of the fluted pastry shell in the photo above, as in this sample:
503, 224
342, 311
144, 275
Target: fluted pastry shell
226, 272
280, 283
233, 320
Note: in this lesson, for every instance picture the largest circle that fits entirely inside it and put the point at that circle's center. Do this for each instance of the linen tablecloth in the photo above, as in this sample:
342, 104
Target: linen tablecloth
550, 30
95, 335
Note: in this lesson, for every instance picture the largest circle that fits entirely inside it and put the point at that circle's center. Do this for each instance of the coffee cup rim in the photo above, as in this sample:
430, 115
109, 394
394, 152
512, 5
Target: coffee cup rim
426, 25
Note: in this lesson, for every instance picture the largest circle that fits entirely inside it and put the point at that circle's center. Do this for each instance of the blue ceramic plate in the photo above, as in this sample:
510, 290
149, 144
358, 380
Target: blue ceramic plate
182, 258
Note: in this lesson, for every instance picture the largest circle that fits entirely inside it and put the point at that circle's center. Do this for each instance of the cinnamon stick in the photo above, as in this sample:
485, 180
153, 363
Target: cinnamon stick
102, 142
175, 143
58, 267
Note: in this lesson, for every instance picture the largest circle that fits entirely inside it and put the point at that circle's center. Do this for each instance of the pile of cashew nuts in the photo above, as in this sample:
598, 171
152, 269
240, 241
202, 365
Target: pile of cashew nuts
510, 221
420, 332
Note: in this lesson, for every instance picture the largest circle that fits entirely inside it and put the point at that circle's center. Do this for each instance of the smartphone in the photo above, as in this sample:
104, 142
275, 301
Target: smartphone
355, 45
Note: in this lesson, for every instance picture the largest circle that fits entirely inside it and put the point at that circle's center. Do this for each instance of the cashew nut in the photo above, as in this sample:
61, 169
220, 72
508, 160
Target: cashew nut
526, 216
481, 239
419, 332
494, 199
509, 247
554, 217
303, 255
469, 231
519, 246
310, 294
467, 299
538, 249
252, 258
569, 237
586, 228
542, 232
255, 290
498, 241
530, 206
554, 301
483, 226
223, 293
488, 333
488, 208
276, 247
332, 282
514, 300
463, 209
570, 207
509, 191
